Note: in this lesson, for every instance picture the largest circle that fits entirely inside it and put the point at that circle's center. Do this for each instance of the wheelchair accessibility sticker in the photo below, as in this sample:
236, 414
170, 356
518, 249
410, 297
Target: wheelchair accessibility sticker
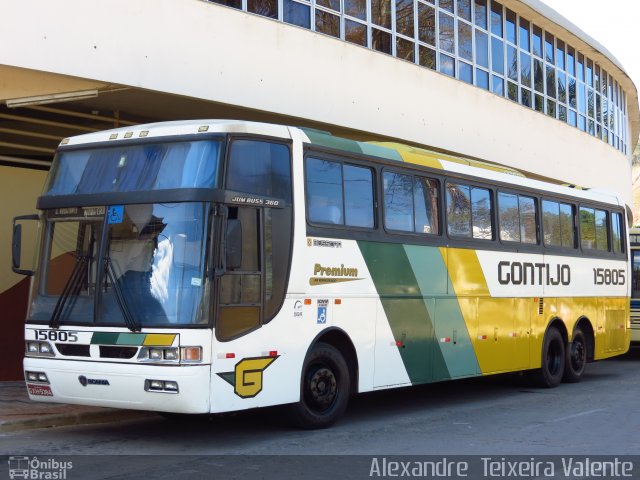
322, 311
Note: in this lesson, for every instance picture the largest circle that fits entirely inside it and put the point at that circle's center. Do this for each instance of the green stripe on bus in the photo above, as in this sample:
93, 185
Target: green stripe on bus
320, 138
406, 310
379, 151
433, 279
131, 339
104, 338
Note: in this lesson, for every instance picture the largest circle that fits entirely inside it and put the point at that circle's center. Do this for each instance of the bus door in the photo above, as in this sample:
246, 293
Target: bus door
254, 238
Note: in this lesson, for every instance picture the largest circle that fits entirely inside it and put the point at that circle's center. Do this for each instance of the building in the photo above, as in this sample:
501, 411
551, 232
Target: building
508, 82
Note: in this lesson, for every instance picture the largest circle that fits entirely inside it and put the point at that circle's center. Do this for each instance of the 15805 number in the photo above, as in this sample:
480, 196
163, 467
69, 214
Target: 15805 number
56, 335
608, 276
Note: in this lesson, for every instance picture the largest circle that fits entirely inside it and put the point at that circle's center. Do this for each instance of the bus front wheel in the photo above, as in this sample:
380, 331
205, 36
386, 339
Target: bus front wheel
550, 374
576, 360
324, 389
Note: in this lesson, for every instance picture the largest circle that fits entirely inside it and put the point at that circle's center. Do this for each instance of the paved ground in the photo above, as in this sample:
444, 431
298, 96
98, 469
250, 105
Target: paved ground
493, 416
17, 412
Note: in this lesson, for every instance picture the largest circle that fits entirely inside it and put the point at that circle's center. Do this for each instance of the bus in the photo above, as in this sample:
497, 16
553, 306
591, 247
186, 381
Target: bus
213, 266
634, 249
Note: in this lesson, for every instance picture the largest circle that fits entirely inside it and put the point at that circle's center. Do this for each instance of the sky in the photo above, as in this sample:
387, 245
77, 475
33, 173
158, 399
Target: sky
613, 23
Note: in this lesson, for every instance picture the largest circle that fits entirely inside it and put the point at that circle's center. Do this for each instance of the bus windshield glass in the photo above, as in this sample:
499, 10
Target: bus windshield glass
142, 265
138, 167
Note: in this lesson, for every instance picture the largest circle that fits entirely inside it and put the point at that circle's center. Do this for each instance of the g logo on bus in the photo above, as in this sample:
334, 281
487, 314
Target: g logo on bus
246, 379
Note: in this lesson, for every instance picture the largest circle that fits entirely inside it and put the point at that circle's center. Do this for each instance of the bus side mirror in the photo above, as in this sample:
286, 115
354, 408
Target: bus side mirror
234, 244
16, 245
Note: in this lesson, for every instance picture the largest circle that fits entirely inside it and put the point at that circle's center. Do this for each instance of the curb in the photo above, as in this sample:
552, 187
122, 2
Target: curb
68, 419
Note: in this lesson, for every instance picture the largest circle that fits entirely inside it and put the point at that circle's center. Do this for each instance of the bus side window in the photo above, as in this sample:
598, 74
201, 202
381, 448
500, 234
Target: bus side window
469, 211
617, 233
260, 168
517, 217
339, 194
593, 229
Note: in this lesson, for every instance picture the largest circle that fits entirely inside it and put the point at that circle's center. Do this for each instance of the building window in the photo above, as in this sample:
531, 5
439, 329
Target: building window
479, 42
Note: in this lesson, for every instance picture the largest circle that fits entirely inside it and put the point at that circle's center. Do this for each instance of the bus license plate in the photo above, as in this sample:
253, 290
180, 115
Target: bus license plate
42, 390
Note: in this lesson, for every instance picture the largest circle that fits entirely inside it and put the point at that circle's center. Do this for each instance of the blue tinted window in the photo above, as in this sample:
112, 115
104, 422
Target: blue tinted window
464, 9
524, 34
496, 18
572, 92
548, 47
551, 81
525, 69
447, 33
447, 65
398, 202
324, 191
136, 168
511, 26
482, 49
497, 85
562, 87
536, 35
571, 65
260, 168
465, 72
512, 63
481, 13
447, 5
465, 48
426, 24
425, 202
560, 54
497, 55
482, 79
358, 196
297, 14
332, 201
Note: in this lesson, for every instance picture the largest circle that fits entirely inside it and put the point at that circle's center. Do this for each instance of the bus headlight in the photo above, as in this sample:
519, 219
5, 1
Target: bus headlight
161, 386
38, 349
36, 377
170, 355
154, 353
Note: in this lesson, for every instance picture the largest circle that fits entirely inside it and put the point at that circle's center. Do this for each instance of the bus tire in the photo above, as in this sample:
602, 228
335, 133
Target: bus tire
576, 358
550, 374
324, 388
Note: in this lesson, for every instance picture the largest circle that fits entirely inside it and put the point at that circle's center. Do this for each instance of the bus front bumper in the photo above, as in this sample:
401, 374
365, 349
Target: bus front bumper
121, 385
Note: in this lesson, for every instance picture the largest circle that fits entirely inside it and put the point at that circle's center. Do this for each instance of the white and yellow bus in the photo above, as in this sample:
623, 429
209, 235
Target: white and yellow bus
212, 266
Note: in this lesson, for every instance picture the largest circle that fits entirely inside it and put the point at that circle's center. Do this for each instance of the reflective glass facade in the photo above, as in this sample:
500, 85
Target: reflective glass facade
480, 42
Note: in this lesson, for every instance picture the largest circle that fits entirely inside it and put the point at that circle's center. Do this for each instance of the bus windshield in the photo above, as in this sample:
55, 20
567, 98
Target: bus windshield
141, 265
139, 167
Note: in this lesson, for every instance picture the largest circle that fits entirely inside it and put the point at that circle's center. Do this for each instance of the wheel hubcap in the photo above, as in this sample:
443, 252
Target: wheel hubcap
578, 355
322, 388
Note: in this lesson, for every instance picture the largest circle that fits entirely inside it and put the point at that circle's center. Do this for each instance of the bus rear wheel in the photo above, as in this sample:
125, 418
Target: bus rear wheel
550, 374
576, 360
324, 389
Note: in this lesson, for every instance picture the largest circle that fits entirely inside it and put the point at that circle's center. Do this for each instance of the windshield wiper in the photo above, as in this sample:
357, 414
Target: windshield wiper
120, 298
71, 288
